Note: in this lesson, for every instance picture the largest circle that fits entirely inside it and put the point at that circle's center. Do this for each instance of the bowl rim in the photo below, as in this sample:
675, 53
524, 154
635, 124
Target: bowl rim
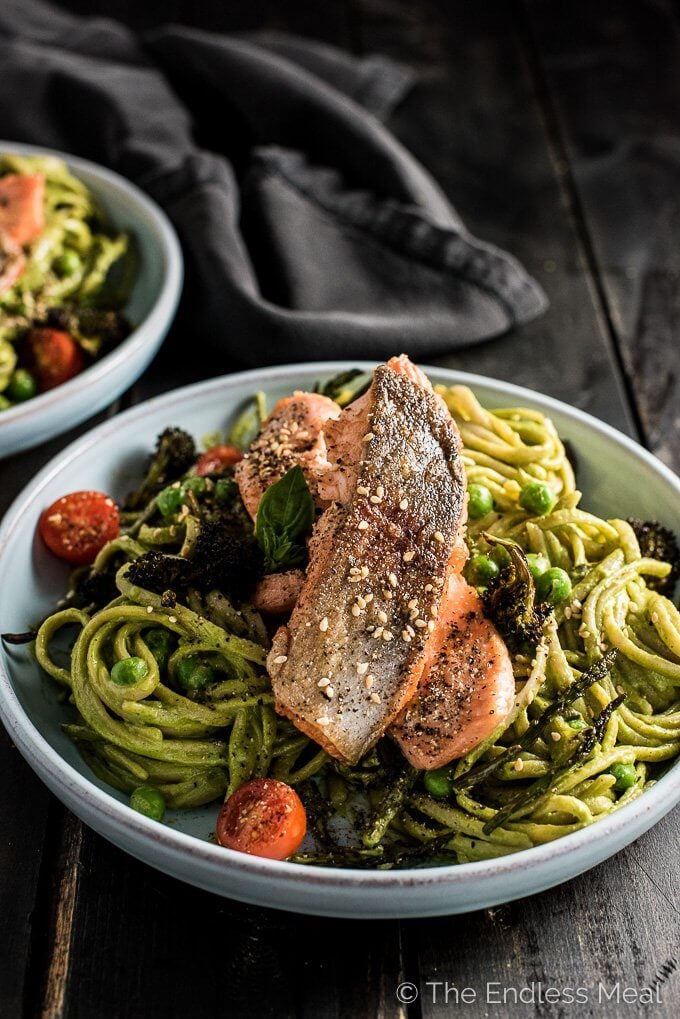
165, 300
656, 801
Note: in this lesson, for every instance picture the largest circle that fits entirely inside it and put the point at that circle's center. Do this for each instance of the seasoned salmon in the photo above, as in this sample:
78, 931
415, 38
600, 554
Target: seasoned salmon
466, 690
291, 436
22, 207
366, 624
277, 593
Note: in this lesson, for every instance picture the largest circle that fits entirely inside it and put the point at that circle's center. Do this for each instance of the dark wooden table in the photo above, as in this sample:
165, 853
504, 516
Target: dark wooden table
555, 129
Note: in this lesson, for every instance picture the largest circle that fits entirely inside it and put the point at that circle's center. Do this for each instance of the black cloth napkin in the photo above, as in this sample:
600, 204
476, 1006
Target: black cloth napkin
309, 232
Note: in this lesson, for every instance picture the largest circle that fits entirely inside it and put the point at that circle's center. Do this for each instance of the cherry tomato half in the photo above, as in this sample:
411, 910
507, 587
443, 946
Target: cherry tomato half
264, 817
56, 357
78, 525
215, 459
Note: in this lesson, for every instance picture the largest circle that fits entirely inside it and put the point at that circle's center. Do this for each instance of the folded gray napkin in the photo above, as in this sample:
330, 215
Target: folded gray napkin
309, 232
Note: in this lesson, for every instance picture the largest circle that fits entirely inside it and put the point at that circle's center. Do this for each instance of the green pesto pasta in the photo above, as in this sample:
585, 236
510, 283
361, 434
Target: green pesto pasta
75, 275
596, 714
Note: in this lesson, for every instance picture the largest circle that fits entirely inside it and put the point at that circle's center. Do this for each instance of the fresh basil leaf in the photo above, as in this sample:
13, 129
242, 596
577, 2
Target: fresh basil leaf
284, 520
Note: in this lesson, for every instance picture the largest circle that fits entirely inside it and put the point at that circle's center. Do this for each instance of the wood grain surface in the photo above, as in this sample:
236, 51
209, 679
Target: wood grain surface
554, 129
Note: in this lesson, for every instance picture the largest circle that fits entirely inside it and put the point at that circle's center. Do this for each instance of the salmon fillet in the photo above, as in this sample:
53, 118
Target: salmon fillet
466, 690
277, 593
291, 436
366, 625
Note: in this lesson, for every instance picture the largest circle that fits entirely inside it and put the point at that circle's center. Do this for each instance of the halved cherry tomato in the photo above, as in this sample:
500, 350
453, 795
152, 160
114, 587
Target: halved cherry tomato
215, 459
78, 525
264, 817
55, 355
22, 207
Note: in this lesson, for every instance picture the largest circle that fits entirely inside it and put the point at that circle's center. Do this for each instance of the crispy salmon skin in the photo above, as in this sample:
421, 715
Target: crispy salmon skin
365, 623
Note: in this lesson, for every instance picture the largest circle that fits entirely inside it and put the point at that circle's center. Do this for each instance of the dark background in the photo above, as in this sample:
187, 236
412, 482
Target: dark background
554, 128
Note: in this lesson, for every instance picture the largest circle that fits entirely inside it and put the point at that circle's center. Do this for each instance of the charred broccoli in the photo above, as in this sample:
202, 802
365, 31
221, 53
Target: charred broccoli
510, 599
223, 558
658, 542
174, 454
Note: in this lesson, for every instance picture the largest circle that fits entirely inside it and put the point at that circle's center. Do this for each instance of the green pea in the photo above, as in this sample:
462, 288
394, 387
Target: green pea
148, 801
537, 498
481, 570
554, 585
438, 783
577, 724
161, 643
68, 263
625, 775
195, 485
169, 500
22, 386
4, 403
538, 564
480, 501
193, 675
129, 671
225, 490
500, 556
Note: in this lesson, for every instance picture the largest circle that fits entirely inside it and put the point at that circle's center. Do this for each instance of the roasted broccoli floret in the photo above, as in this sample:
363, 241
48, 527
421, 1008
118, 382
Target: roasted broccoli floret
659, 542
158, 572
223, 559
174, 454
510, 599
226, 559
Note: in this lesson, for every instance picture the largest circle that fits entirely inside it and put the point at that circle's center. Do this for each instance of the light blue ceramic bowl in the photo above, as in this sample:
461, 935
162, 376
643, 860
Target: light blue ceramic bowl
150, 309
618, 478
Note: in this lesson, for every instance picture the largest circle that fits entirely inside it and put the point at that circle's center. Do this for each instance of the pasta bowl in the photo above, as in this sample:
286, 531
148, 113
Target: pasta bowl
150, 309
617, 477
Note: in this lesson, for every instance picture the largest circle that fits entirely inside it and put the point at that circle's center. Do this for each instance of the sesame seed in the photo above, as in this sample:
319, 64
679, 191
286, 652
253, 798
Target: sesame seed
363, 525
280, 659
361, 602
655, 617
380, 491
420, 623
362, 490
172, 619
149, 609
387, 635
411, 631
438, 536
323, 720
412, 604
518, 764
354, 571
433, 611
356, 611
567, 612
368, 598
408, 556
555, 737
368, 682
392, 577
430, 625
329, 692
364, 571
405, 635
403, 504
378, 632
375, 499
323, 625
362, 668
388, 595
368, 436
323, 682
428, 588
382, 616
375, 697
